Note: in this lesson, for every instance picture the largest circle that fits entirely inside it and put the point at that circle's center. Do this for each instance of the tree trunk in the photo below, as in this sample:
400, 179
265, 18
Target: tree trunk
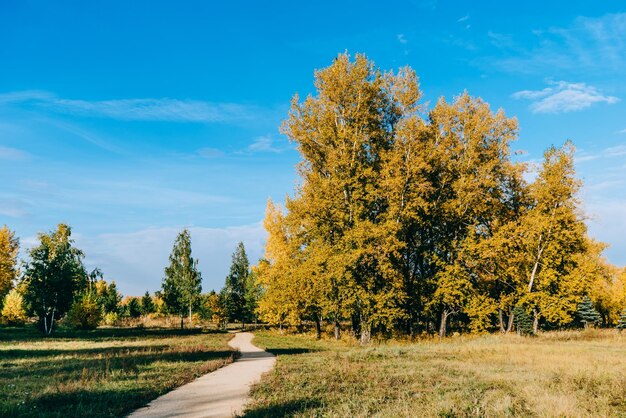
182, 317
243, 325
51, 321
509, 326
366, 333
501, 321
337, 330
535, 321
190, 317
318, 328
443, 325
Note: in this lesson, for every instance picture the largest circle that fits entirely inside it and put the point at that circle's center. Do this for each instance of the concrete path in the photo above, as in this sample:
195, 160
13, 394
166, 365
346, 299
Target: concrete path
222, 393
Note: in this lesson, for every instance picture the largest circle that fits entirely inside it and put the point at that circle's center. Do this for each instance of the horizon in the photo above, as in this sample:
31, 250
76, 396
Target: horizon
130, 132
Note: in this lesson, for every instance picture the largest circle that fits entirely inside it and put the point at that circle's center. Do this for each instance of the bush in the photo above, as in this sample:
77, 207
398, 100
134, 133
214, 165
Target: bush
85, 312
13, 309
111, 319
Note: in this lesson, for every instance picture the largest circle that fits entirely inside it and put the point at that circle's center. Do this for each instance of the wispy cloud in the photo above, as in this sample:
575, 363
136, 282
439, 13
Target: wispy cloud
589, 44
265, 144
138, 109
210, 152
12, 208
401, 38
610, 152
463, 19
564, 97
8, 153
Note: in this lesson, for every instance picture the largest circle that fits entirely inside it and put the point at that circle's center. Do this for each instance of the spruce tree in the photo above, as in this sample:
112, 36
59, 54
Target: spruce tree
523, 322
621, 324
587, 313
235, 289
147, 306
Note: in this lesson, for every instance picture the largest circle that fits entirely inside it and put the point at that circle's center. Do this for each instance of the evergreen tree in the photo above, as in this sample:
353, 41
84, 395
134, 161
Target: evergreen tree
133, 307
182, 282
621, 324
110, 298
523, 321
234, 292
147, 305
587, 313
53, 276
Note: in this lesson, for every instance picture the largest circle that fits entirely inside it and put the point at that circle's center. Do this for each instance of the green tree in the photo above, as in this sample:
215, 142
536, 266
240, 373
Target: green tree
85, 312
110, 298
586, 313
182, 282
54, 275
234, 291
133, 307
621, 324
147, 305
9, 248
523, 321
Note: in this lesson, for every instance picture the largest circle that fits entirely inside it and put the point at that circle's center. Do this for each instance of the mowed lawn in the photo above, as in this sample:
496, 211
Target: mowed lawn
101, 373
564, 374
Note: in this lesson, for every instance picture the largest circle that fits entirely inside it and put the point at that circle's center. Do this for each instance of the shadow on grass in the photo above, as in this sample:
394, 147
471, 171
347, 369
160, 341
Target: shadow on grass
285, 409
31, 333
290, 351
89, 403
125, 361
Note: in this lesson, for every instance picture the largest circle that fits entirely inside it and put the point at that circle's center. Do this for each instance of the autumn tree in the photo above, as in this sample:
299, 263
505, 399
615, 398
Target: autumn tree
53, 276
404, 218
182, 282
13, 307
9, 248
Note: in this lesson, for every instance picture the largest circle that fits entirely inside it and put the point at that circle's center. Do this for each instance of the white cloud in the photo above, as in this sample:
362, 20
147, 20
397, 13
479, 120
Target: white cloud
463, 19
264, 144
7, 153
401, 38
210, 152
136, 260
564, 97
142, 109
12, 208
587, 45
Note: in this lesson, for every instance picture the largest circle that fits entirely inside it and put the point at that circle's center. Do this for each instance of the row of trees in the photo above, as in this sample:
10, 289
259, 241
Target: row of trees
406, 219
55, 284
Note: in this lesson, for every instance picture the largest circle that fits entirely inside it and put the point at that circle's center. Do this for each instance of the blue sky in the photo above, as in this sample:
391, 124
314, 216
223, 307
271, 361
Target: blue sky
132, 120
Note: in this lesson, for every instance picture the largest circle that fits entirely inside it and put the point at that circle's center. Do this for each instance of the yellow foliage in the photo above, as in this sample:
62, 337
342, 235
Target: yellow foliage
13, 308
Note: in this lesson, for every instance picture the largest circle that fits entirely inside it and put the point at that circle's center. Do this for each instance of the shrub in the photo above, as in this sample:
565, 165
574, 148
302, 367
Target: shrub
111, 318
13, 309
85, 312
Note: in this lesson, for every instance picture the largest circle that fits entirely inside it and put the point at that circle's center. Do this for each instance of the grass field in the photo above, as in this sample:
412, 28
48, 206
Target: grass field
101, 373
566, 374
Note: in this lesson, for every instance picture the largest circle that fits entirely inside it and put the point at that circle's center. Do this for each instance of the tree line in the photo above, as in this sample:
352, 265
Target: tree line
53, 284
409, 220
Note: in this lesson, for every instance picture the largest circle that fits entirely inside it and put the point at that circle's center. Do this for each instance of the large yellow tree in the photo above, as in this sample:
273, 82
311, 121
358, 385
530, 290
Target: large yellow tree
9, 248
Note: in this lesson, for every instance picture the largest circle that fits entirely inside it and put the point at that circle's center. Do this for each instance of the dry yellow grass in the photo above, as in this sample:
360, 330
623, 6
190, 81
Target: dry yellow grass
561, 374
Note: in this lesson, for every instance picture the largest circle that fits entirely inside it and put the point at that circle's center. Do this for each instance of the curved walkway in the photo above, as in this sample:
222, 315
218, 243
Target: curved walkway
222, 393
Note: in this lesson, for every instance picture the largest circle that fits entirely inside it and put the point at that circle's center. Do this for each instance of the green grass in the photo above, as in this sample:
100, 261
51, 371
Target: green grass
100, 373
567, 374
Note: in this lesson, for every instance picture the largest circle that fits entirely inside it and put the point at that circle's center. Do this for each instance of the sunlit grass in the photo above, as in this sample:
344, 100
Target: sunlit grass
556, 374
102, 373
